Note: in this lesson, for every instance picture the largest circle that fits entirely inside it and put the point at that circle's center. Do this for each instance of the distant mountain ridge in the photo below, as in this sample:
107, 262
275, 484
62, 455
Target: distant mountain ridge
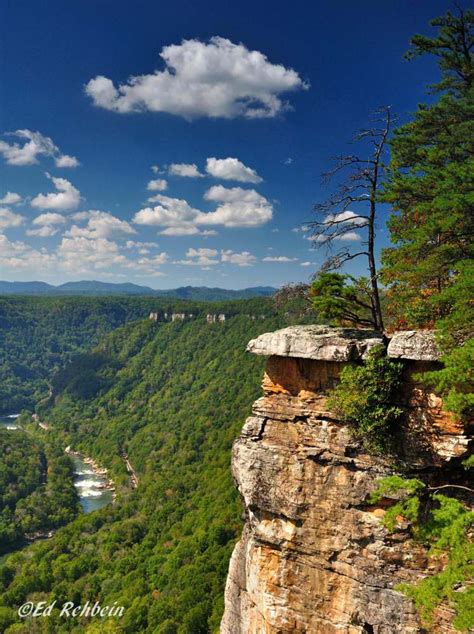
95, 288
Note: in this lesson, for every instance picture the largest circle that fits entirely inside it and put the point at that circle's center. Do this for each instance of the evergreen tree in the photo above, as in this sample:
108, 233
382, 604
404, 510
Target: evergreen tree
343, 299
431, 183
431, 189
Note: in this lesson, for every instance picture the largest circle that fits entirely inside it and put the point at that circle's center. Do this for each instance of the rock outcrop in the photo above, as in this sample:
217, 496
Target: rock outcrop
313, 557
416, 345
316, 342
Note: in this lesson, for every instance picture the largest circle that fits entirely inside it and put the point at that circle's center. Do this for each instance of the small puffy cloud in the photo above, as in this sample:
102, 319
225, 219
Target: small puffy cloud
132, 244
49, 219
278, 258
156, 169
348, 217
307, 263
171, 212
81, 253
47, 225
186, 170
157, 185
184, 230
231, 169
350, 236
288, 161
66, 161
203, 79
35, 145
300, 229
66, 198
10, 198
156, 260
200, 257
9, 219
240, 259
181, 230
319, 238
237, 207
102, 224
16, 256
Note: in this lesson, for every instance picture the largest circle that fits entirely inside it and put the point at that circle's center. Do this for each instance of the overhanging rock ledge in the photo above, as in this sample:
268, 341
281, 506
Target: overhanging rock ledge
321, 343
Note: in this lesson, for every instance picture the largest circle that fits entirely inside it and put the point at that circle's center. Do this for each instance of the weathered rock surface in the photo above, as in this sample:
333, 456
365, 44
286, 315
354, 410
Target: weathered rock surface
313, 557
417, 345
316, 342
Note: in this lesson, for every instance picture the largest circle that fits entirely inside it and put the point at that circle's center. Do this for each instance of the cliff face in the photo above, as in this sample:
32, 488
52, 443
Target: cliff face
313, 557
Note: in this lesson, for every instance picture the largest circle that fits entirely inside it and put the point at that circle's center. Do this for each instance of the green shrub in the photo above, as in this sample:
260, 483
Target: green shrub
443, 525
365, 398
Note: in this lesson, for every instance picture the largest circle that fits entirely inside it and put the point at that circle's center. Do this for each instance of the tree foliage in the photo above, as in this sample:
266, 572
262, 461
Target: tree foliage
443, 524
429, 269
342, 299
365, 397
40, 335
176, 401
37, 492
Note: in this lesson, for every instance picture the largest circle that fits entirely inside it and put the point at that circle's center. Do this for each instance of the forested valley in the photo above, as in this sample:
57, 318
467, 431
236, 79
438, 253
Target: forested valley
172, 396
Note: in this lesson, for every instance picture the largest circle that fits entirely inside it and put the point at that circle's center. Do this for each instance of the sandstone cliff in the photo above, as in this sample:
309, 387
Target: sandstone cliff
313, 556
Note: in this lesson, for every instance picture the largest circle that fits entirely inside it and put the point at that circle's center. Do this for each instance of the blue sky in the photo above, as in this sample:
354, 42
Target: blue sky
271, 91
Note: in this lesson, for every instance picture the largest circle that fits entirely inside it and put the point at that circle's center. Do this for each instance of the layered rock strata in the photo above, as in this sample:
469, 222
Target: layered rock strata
313, 557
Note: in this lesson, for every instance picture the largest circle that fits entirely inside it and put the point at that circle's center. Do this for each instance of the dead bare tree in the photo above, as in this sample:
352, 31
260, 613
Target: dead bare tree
353, 206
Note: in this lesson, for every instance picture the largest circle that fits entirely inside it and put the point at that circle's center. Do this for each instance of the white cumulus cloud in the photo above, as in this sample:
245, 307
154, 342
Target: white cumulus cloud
171, 212
203, 79
47, 225
35, 145
10, 198
66, 198
231, 169
278, 258
200, 257
350, 236
345, 217
9, 219
102, 224
237, 207
186, 170
21, 256
133, 244
157, 185
79, 253
66, 161
243, 258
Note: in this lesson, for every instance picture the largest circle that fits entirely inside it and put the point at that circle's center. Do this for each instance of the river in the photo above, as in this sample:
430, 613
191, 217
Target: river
90, 485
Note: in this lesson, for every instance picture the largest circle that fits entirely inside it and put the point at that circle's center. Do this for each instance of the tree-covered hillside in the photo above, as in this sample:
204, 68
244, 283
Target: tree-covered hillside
37, 492
39, 335
173, 396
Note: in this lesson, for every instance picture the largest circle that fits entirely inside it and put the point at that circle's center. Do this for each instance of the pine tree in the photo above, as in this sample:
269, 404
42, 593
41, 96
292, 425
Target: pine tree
431, 185
431, 189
